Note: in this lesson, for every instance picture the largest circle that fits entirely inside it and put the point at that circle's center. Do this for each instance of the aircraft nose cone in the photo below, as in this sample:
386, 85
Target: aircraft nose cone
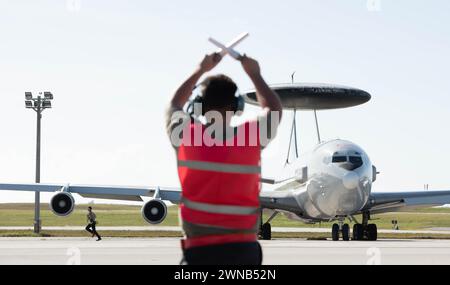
350, 180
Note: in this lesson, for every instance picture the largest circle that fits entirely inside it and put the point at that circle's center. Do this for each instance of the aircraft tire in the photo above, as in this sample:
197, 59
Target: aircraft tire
335, 232
358, 232
372, 232
266, 231
345, 232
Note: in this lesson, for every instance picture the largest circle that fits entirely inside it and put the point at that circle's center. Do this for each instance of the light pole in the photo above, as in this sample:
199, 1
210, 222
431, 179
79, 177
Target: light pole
38, 104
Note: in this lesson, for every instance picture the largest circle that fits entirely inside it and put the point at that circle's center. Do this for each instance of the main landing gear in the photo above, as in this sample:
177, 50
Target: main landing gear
364, 231
265, 229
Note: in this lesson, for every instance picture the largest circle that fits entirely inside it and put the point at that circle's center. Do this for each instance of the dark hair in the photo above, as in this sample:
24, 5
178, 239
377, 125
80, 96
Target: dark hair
90, 208
219, 93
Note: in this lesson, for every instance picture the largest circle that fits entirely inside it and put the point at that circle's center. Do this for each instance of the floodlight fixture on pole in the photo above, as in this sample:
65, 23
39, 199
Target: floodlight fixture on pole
38, 104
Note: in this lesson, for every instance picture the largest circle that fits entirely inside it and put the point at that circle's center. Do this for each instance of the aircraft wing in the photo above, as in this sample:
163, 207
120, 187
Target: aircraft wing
282, 200
129, 193
381, 202
279, 200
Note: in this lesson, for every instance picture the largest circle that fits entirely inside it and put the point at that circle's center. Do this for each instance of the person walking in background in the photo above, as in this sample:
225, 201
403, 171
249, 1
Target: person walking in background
92, 221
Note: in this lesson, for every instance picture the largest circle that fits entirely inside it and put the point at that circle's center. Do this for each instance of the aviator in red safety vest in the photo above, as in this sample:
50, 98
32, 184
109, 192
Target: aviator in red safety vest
220, 186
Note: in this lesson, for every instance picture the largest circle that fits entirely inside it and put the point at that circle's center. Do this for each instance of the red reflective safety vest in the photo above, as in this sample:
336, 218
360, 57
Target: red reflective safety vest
220, 185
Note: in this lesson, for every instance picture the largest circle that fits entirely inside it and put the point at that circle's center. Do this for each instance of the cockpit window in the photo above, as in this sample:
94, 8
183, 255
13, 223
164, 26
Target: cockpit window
356, 161
339, 158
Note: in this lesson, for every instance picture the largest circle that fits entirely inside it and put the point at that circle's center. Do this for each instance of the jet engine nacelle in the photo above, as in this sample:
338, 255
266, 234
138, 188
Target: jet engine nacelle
154, 211
62, 204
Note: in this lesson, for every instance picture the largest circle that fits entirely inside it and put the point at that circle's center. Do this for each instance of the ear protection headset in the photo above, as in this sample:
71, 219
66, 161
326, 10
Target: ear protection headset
238, 105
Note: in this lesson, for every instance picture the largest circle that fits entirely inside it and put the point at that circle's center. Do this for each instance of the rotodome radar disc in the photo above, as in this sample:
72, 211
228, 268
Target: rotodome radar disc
318, 96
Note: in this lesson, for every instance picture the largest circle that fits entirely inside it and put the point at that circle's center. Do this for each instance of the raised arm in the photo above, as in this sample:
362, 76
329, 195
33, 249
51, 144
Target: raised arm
267, 98
185, 90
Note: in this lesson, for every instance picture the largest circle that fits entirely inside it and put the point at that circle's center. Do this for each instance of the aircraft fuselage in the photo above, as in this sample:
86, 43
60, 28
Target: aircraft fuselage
339, 181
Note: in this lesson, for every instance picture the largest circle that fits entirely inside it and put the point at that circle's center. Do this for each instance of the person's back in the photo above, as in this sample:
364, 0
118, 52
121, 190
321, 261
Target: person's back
91, 216
219, 169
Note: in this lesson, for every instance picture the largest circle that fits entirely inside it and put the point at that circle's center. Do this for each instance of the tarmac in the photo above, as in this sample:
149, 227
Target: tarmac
177, 229
74, 251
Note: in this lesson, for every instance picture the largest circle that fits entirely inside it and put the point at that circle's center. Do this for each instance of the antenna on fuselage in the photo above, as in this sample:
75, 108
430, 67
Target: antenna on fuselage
293, 135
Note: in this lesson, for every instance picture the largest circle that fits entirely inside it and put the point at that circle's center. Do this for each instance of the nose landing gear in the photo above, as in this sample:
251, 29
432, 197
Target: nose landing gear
340, 228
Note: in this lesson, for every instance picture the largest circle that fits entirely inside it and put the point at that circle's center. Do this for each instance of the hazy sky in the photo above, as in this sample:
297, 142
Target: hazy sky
112, 66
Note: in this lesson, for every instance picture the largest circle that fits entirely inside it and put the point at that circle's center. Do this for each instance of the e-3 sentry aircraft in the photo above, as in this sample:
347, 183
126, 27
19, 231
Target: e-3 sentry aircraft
333, 182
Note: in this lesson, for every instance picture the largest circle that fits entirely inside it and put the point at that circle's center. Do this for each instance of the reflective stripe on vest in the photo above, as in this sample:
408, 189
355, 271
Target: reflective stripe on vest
218, 239
219, 209
220, 189
196, 230
220, 167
